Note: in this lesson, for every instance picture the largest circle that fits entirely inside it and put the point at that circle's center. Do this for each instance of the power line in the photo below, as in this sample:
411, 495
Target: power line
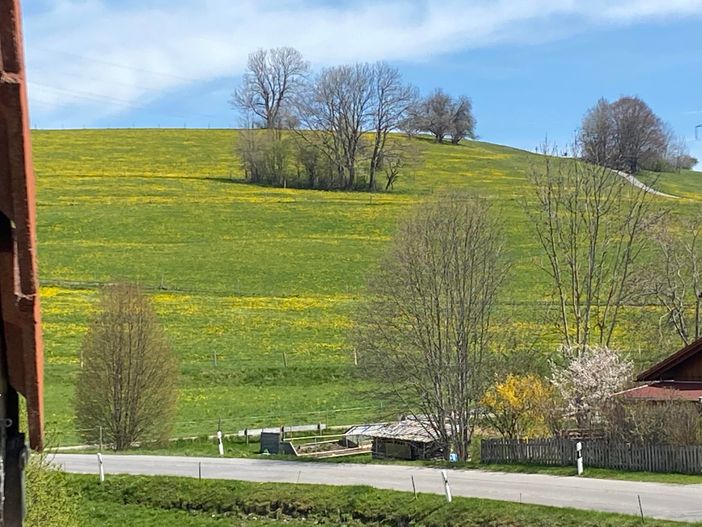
100, 98
121, 66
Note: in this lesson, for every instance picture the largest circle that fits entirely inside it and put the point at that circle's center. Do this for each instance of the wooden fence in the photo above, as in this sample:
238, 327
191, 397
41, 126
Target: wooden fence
596, 453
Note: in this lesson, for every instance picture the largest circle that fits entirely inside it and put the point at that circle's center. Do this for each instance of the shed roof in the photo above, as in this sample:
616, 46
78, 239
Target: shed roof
665, 391
660, 370
405, 430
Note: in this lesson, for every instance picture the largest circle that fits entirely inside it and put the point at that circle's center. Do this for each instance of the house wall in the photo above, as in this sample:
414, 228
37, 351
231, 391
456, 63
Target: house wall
689, 370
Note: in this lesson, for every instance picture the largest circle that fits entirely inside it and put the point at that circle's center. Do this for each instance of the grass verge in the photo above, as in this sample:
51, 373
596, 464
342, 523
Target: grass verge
142, 501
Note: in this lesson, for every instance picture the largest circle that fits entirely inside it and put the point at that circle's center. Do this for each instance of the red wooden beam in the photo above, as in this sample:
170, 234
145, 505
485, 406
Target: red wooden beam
19, 299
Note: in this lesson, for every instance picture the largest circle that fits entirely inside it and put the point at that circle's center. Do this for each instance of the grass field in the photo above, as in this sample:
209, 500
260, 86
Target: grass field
161, 501
264, 279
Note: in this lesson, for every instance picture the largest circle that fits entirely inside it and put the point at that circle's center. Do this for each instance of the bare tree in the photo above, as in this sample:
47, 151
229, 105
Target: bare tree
272, 78
425, 332
598, 136
335, 114
590, 223
625, 135
678, 156
264, 156
391, 102
413, 122
463, 121
437, 115
675, 276
399, 157
128, 383
641, 135
673, 421
442, 116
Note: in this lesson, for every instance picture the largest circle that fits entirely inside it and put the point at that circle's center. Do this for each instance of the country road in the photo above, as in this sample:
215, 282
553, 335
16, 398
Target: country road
659, 500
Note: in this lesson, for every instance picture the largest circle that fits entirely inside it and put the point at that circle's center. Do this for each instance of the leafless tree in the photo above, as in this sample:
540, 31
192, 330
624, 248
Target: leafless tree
335, 114
437, 115
678, 156
399, 157
462, 121
675, 275
128, 382
425, 332
272, 78
264, 156
641, 135
625, 135
590, 223
391, 102
412, 124
442, 116
667, 422
598, 137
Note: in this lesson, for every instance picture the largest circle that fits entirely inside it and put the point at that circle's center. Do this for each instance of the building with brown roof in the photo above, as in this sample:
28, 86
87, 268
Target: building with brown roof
678, 376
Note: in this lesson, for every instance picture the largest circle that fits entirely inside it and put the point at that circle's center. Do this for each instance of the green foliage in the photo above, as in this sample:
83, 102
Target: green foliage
51, 497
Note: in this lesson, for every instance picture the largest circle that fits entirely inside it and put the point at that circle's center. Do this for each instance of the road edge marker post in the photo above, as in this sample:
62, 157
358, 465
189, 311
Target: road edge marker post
579, 455
447, 487
220, 445
101, 468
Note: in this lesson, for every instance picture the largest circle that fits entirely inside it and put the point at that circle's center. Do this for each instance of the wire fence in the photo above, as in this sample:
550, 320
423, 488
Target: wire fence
239, 425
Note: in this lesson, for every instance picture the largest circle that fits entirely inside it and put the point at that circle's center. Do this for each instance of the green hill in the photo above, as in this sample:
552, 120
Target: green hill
260, 277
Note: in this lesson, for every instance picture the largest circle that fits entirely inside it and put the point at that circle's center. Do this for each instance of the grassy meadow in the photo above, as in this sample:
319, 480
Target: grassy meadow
265, 280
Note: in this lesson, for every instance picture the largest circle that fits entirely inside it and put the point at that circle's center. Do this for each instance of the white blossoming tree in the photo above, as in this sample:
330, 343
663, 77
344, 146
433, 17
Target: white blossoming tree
587, 378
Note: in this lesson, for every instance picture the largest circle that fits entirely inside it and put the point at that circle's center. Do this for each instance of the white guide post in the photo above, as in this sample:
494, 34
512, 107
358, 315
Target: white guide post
579, 453
101, 469
219, 443
447, 487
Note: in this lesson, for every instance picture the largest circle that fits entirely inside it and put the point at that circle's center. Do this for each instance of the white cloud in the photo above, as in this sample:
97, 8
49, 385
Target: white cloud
95, 57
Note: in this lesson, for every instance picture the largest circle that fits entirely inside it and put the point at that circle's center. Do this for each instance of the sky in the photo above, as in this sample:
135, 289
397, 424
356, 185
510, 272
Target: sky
531, 67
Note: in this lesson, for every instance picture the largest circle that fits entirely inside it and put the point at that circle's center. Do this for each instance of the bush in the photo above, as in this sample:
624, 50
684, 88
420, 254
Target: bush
52, 500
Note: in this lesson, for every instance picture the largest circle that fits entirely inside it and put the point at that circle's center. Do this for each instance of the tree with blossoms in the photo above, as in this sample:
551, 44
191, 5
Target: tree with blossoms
587, 378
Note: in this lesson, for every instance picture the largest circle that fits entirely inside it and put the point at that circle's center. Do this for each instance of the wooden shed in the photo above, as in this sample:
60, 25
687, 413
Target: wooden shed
407, 439
678, 376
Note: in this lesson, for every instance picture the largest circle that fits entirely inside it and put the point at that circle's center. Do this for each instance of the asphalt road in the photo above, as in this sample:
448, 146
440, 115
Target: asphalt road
659, 500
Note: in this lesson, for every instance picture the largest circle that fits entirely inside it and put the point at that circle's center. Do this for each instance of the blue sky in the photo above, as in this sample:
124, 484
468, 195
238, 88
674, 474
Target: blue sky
532, 67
